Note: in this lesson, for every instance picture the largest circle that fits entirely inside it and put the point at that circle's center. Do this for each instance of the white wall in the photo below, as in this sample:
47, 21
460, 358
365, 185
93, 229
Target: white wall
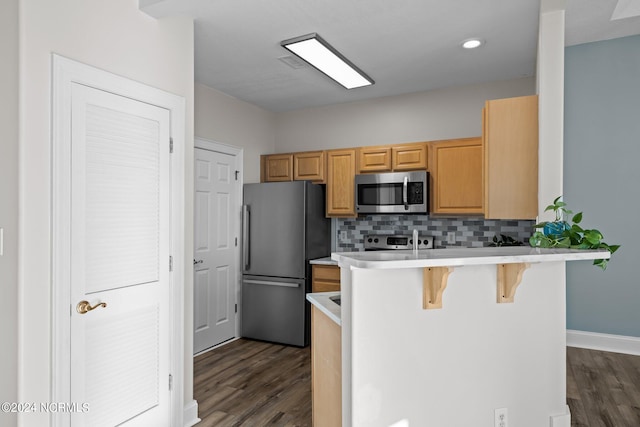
455, 365
550, 87
423, 116
115, 36
222, 118
9, 207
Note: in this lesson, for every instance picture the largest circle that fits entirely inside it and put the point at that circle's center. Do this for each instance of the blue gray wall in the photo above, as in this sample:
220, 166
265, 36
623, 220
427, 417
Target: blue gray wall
602, 178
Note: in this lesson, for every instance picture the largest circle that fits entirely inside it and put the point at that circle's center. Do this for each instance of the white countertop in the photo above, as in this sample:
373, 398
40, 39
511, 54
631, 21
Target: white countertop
324, 261
462, 256
322, 301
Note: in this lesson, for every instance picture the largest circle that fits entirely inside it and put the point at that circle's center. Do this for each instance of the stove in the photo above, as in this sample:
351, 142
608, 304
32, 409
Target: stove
385, 242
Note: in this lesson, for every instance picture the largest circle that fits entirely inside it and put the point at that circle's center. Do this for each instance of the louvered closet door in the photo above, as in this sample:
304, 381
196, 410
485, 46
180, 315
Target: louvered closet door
120, 233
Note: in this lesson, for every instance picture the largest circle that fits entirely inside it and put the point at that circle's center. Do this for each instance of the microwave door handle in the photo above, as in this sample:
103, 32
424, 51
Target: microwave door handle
404, 194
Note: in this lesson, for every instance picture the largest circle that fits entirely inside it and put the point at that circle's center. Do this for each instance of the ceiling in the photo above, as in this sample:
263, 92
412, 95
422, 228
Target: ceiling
404, 45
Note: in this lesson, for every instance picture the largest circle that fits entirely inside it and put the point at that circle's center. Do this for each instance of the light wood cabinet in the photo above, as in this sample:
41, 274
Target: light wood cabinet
456, 176
326, 370
409, 157
277, 167
510, 138
341, 173
325, 278
374, 159
309, 166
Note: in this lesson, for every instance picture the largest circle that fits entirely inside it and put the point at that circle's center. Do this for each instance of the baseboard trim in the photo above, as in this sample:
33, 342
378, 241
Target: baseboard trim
604, 342
561, 420
191, 414
206, 350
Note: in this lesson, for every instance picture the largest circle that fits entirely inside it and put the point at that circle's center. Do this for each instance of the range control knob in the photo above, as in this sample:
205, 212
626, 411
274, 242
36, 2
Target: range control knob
369, 240
376, 240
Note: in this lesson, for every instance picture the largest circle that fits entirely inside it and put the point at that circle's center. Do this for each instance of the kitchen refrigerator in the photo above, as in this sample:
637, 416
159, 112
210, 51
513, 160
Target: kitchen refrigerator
283, 228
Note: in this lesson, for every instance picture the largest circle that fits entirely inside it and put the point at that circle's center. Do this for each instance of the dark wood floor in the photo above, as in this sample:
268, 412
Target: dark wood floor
603, 389
251, 383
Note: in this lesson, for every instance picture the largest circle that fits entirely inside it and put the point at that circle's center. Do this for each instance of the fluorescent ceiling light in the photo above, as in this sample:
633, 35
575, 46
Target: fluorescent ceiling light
471, 43
321, 55
626, 9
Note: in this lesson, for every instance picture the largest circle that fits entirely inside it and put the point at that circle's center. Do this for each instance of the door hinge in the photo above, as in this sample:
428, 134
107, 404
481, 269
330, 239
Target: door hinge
170, 263
237, 172
236, 308
236, 241
170, 145
170, 381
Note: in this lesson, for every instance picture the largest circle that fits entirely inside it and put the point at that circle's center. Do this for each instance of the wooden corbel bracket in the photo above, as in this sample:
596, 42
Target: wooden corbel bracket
434, 282
509, 278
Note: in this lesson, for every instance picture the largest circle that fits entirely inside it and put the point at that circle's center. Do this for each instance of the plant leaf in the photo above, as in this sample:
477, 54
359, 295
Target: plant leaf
577, 218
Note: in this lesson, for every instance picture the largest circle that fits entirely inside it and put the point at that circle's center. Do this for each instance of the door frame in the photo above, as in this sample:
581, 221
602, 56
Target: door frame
65, 73
238, 152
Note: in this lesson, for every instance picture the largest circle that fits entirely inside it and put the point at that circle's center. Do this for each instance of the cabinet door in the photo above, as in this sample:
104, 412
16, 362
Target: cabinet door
510, 132
409, 157
325, 278
374, 159
326, 370
278, 167
308, 166
456, 176
341, 173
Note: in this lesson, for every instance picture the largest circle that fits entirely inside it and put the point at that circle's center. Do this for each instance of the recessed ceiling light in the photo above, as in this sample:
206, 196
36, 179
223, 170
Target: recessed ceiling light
472, 43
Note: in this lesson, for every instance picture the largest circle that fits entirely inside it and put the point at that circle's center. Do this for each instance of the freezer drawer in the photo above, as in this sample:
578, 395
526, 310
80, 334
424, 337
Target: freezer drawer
274, 309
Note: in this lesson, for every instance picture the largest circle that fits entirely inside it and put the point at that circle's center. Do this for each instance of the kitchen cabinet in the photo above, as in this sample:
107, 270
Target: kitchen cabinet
325, 278
456, 176
277, 167
326, 370
396, 158
374, 159
309, 166
409, 157
341, 173
510, 138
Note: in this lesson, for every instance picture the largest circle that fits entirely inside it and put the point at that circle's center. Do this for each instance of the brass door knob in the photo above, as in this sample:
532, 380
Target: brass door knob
85, 307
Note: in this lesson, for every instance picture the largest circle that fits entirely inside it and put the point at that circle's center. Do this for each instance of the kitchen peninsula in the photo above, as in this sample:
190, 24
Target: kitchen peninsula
445, 337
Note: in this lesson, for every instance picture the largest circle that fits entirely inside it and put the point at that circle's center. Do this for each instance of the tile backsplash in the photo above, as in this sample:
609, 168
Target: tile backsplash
469, 232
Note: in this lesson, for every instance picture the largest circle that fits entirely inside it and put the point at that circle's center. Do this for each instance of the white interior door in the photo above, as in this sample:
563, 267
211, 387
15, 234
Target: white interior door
120, 242
216, 241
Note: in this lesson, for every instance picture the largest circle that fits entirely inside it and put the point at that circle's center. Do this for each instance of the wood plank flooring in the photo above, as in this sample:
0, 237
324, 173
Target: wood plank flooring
603, 389
252, 383
255, 384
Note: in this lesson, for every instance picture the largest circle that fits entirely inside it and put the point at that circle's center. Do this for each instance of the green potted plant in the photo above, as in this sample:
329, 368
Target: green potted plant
568, 234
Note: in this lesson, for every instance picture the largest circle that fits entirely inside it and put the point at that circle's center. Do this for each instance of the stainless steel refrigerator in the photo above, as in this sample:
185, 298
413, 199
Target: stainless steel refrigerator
283, 228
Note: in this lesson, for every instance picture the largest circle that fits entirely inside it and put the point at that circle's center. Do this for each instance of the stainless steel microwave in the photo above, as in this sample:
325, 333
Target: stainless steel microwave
394, 192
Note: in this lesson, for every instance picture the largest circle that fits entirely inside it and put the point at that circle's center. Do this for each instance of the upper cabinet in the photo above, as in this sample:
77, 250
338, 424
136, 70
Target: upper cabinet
341, 174
306, 166
456, 176
409, 157
510, 136
309, 166
374, 159
387, 158
277, 167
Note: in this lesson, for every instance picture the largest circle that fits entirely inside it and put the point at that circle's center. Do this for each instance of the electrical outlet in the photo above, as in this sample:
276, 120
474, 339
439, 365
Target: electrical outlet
342, 235
451, 237
501, 419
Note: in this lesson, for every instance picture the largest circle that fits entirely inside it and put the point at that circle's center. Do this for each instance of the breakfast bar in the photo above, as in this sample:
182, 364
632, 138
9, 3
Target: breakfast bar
454, 337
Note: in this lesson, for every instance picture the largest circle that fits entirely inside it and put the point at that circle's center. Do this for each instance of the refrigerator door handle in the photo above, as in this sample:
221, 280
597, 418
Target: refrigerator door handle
245, 236
264, 282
